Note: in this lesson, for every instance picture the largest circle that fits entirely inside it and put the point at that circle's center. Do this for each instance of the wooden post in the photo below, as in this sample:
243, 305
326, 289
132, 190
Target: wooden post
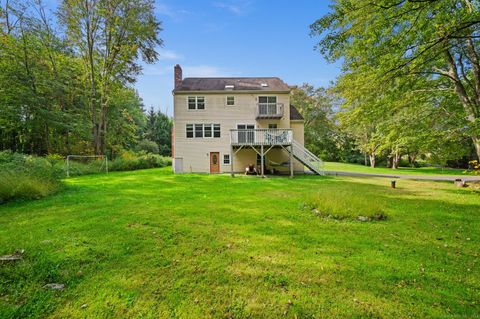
231, 162
291, 161
261, 160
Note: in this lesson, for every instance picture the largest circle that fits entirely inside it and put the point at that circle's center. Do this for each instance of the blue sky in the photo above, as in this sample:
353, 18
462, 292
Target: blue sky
235, 38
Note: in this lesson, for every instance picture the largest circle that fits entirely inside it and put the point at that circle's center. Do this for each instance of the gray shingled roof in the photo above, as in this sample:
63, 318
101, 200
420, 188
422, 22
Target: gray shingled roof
294, 114
240, 84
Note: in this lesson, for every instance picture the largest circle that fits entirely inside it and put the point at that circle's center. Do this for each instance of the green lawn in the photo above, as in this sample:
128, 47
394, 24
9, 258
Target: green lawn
149, 244
357, 168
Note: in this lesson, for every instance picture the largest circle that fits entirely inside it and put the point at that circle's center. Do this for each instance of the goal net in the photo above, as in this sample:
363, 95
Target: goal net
86, 164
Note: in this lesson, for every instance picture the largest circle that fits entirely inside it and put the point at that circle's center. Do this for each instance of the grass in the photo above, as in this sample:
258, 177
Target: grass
150, 244
358, 168
19, 185
32, 177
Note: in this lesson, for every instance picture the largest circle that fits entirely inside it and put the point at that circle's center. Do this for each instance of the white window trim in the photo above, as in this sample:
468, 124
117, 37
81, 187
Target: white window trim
211, 131
196, 103
226, 100
246, 124
212, 125
229, 159
267, 95
193, 130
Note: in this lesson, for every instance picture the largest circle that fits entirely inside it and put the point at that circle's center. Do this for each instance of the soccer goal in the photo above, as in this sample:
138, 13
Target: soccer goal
86, 164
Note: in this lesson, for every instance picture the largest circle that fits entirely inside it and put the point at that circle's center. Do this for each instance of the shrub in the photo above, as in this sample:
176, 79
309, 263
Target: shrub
130, 161
473, 167
148, 146
27, 177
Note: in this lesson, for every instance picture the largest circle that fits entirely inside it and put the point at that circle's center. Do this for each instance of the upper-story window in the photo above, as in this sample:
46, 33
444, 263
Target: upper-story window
272, 126
267, 99
230, 100
196, 102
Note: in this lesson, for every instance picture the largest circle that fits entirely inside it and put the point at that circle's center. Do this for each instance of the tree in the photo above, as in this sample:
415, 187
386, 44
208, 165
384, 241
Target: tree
318, 106
436, 42
44, 104
159, 130
110, 36
37, 77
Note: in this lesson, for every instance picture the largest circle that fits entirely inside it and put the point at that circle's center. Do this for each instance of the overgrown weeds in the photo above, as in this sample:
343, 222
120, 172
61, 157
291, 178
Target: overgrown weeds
343, 206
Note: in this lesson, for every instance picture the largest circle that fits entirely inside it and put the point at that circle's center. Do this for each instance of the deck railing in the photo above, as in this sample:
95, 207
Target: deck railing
269, 110
261, 137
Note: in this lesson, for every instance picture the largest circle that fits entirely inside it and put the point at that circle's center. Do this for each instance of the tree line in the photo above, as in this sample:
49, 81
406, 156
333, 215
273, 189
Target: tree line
410, 81
66, 77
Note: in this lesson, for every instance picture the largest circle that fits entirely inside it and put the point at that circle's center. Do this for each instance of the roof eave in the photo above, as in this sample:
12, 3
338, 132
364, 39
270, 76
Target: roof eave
230, 91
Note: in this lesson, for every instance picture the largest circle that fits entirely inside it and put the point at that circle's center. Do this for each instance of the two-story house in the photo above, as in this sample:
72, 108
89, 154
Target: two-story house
228, 124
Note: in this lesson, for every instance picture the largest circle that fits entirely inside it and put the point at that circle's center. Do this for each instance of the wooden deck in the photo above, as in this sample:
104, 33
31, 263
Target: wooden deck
259, 137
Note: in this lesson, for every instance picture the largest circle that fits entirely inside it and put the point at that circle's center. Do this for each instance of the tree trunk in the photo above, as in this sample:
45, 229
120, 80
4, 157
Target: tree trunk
470, 106
372, 158
412, 159
396, 160
390, 162
476, 143
103, 126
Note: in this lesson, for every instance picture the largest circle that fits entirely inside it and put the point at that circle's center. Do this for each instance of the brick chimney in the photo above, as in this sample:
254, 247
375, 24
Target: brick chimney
177, 75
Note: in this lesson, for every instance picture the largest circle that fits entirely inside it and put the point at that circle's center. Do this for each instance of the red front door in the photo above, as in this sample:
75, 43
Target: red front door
214, 162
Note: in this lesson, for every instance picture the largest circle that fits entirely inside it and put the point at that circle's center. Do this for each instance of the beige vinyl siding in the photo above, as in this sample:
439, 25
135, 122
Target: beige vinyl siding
195, 151
299, 136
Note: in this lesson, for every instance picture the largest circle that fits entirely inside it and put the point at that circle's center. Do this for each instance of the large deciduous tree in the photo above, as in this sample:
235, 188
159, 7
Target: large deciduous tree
435, 43
111, 36
319, 106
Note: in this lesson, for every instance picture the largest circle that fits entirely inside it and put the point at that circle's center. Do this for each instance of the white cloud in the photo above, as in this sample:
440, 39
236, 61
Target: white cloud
169, 55
162, 9
238, 8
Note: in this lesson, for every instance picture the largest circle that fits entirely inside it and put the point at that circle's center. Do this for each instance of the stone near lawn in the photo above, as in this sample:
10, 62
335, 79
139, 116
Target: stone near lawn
363, 218
17, 255
459, 183
54, 286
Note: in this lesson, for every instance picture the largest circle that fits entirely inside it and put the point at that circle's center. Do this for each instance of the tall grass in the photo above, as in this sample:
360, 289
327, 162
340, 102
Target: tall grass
27, 177
31, 177
130, 161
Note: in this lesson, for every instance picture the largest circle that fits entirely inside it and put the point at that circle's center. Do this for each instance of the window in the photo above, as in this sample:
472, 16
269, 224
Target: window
226, 159
200, 102
198, 130
272, 126
246, 133
196, 102
203, 130
207, 130
189, 130
230, 100
267, 105
216, 130
267, 99
192, 103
